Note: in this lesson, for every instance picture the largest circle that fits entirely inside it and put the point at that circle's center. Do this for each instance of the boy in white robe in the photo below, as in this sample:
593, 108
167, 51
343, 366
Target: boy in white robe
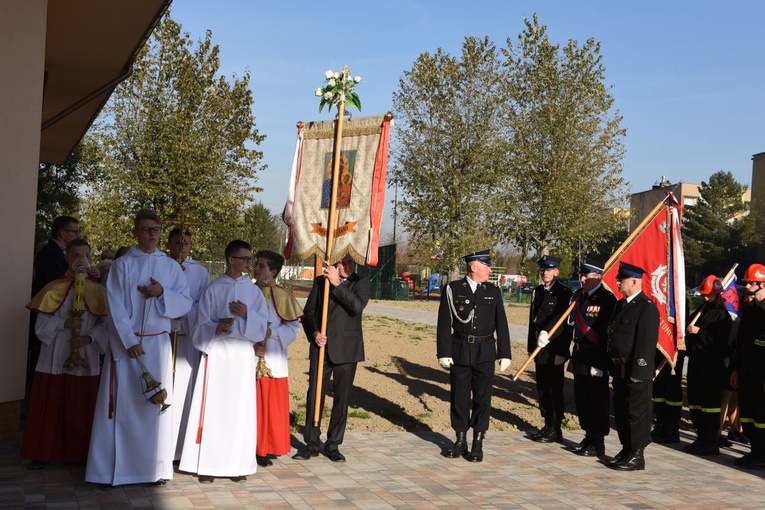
132, 439
186, 356
284, 313
232, 317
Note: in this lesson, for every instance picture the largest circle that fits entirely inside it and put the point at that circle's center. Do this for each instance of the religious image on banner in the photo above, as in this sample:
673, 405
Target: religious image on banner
658, 249
360, 190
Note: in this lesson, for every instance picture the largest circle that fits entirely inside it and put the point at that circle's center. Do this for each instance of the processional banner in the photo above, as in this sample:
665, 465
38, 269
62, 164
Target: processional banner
659, 250
360, 191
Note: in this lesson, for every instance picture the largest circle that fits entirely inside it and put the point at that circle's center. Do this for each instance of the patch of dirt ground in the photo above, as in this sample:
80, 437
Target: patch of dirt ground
401, 387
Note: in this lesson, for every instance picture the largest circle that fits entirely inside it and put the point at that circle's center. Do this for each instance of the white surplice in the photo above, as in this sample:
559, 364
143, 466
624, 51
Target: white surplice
132, 440
222, 432
187, 357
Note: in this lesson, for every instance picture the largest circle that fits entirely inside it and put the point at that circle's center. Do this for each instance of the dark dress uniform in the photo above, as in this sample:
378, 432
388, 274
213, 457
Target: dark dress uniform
668, 399
467, 323
590, 320
547, 306
632, 336
750, 364
706, 369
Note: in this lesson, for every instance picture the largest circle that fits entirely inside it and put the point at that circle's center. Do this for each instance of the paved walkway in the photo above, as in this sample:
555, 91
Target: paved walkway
407, 471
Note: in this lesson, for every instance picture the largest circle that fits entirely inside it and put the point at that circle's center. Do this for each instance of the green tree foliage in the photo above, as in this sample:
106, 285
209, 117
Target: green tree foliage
448, 146
263, 230
521, 148
718, 231
57, 192
175, 137
565, 147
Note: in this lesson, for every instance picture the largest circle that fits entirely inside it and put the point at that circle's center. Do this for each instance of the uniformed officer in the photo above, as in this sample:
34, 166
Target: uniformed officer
470, 313
749, 368
632, 336
589, 360
549, 302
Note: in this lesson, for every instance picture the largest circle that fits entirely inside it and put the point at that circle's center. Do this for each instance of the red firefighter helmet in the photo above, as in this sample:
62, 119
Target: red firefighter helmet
711, 285
754, 273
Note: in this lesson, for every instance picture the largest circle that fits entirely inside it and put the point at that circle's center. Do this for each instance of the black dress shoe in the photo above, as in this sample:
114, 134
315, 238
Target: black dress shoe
592, 450
737, 437
548, 435
616, 458
459, 448
37, 464
206, 479
305, 454
667, 437
238, 478
633, 461
581, 446
263, 461
159, 483
335, 456
476, 452
706, 450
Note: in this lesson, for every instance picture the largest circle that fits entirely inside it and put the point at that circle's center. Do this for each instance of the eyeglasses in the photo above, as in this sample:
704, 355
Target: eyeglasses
149, 230
246, 259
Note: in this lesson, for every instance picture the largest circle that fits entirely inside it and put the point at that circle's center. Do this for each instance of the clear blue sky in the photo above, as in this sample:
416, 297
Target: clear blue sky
688, 77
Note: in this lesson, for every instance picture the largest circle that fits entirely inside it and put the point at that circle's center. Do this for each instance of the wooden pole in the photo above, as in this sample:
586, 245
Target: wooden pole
611, 261
331, 226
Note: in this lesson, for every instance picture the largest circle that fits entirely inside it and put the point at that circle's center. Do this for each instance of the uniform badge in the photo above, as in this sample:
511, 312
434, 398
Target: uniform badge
641, 363
462, 308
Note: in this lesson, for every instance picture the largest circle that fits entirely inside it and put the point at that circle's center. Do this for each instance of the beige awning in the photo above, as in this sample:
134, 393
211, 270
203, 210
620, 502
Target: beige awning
90, 48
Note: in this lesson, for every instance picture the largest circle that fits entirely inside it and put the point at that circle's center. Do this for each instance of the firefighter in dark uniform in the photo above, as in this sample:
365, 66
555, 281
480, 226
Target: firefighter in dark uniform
706, 343
549, 302
749, 368
470, 314
632, 336
589, 360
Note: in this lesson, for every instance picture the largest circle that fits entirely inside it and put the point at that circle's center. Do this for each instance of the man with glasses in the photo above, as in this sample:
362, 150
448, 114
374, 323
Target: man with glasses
232, 318
548, 303
632, 336
132, 439
344, 346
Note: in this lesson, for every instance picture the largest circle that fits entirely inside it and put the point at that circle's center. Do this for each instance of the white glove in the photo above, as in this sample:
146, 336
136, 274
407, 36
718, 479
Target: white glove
595, 372
504, 364
559, 360
445, 362
542, 339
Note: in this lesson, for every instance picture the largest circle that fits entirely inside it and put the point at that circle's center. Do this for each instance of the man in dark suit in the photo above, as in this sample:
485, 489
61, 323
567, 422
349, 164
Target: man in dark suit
632, 336
549, 302
344, 348
470, 313
50, 262
589, 361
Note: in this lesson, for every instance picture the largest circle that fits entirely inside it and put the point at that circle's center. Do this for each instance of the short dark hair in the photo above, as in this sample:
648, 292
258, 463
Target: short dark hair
236, 245
61, 223
275, 261
145, 214
176, 232
77, 242
121, 251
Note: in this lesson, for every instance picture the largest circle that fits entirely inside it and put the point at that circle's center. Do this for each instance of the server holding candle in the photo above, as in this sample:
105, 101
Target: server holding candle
70, 324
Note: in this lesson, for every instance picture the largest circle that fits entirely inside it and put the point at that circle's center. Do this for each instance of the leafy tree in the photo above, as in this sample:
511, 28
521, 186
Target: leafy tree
565, 147
175, 137
718, 231
263, 230
448, 147
57, 192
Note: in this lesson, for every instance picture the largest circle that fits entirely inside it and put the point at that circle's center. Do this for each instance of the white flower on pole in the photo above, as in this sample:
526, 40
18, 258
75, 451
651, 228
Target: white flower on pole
328, 74
328, 95
339, 86
357, 79
318, 92
331, 82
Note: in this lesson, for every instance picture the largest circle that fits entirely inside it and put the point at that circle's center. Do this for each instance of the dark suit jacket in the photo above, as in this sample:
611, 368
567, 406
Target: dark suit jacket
595, 311
546, 308
345, 341
489, 316
632, 336
50, 263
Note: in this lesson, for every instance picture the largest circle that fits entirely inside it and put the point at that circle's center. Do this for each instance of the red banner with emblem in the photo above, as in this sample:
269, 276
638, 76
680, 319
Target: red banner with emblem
658, 250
